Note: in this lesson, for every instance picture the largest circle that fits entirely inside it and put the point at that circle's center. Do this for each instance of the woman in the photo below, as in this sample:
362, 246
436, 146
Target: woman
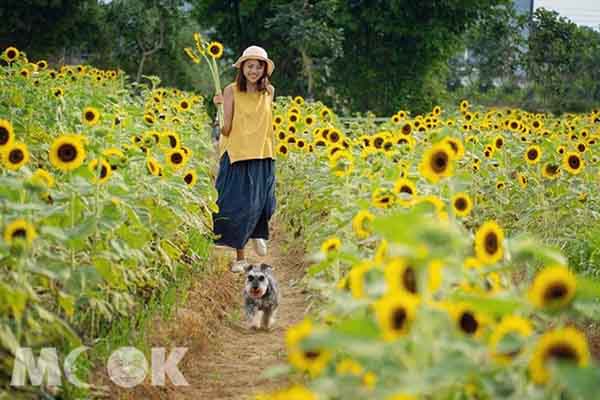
246, 179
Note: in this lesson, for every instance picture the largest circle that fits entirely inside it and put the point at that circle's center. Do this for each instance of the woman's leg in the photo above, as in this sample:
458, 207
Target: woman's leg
240, 254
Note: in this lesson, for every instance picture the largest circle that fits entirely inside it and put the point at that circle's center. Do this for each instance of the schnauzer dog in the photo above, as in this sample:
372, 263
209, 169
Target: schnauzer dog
261, 296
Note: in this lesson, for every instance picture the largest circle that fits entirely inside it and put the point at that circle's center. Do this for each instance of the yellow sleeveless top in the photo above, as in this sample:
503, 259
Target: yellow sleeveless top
251, 134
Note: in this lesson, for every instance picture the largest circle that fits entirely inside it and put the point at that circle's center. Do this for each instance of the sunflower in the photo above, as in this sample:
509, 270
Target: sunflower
153, 167
311, 360
395, 313
356, 279
184, 105
522, 179
437, 162
507, 337
149, 119
573, 163
551, 171
401, 276
564, 345
15, 155
553, 287
19, 229
10, 54
101, 170
333, 244
462, 204
334, 136
115, 157
90, 116
406, 129
489, 243
176, 158
467, 320
383, 198
43, 178
325, 113
7, 134
282, 149
67, 152
24, 72
464, 105
215, 49
58, 92
533, 154
172, 138
341, 163
458, 149
190, 178
406, 191
361, 224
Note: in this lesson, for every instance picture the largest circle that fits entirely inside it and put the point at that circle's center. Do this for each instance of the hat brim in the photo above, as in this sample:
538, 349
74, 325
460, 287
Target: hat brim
270, 64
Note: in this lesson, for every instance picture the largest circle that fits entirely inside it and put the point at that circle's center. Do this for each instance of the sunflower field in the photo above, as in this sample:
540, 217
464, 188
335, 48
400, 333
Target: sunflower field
454, 254
105, 197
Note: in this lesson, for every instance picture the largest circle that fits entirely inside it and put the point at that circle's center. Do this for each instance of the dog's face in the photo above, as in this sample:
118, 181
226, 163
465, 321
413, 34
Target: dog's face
257, 280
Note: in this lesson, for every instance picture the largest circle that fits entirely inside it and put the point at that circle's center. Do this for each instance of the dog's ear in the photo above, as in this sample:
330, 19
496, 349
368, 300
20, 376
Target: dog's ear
248, 267
265, 267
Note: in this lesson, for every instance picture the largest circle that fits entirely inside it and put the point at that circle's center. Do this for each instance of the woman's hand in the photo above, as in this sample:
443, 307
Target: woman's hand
218, 99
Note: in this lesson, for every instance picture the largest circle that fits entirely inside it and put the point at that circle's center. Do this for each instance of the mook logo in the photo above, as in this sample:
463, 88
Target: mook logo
127, 367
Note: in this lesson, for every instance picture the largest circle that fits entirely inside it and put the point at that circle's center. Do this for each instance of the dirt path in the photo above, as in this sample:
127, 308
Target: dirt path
231, 367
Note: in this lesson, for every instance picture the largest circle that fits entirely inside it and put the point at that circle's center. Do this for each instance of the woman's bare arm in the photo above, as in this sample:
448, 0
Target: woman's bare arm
227, 100
227, 111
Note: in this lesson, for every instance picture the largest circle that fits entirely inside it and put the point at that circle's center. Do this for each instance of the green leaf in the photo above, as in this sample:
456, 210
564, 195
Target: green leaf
587, 288
490, 306
584, 382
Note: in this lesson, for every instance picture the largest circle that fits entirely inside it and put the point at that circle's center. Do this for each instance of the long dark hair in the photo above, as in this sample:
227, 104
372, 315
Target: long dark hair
263, 83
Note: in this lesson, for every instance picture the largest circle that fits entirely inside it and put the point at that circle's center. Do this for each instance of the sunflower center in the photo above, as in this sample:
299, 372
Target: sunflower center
468, 323
556, 291
67, 152
19, 233
188, 178
439, 162
387, 146
406, 129
532, 154
398, 318
378, 142
16, 156
406, 189
574, 162
89, 116
333, 137
562, 352
172, 141
499, 143
454, 146
384, 200
103, 172
184, 104
11, 54
460, 204
4, 135
491, 243
552, 169
176, 158
312, 354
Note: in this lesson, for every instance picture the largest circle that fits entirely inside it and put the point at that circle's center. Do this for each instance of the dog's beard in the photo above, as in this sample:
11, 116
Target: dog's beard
257, 293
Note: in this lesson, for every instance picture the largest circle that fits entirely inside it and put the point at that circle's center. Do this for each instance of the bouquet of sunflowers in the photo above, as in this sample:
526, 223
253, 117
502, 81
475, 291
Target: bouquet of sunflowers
211, 52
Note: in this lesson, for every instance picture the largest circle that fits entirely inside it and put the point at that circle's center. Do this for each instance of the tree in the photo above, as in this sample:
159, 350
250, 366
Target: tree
45, 28
308, 28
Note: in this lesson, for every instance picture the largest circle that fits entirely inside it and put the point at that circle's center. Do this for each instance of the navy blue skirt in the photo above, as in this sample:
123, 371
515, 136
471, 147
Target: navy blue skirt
246, 201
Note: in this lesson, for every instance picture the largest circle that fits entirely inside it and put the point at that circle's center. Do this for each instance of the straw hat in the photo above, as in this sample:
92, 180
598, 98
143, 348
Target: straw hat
256, 53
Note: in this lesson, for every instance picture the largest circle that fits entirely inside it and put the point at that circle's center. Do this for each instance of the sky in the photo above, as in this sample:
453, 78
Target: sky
582, 12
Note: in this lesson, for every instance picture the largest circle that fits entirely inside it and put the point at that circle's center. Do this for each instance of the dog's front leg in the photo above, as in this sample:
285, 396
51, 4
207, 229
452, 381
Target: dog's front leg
256, 319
